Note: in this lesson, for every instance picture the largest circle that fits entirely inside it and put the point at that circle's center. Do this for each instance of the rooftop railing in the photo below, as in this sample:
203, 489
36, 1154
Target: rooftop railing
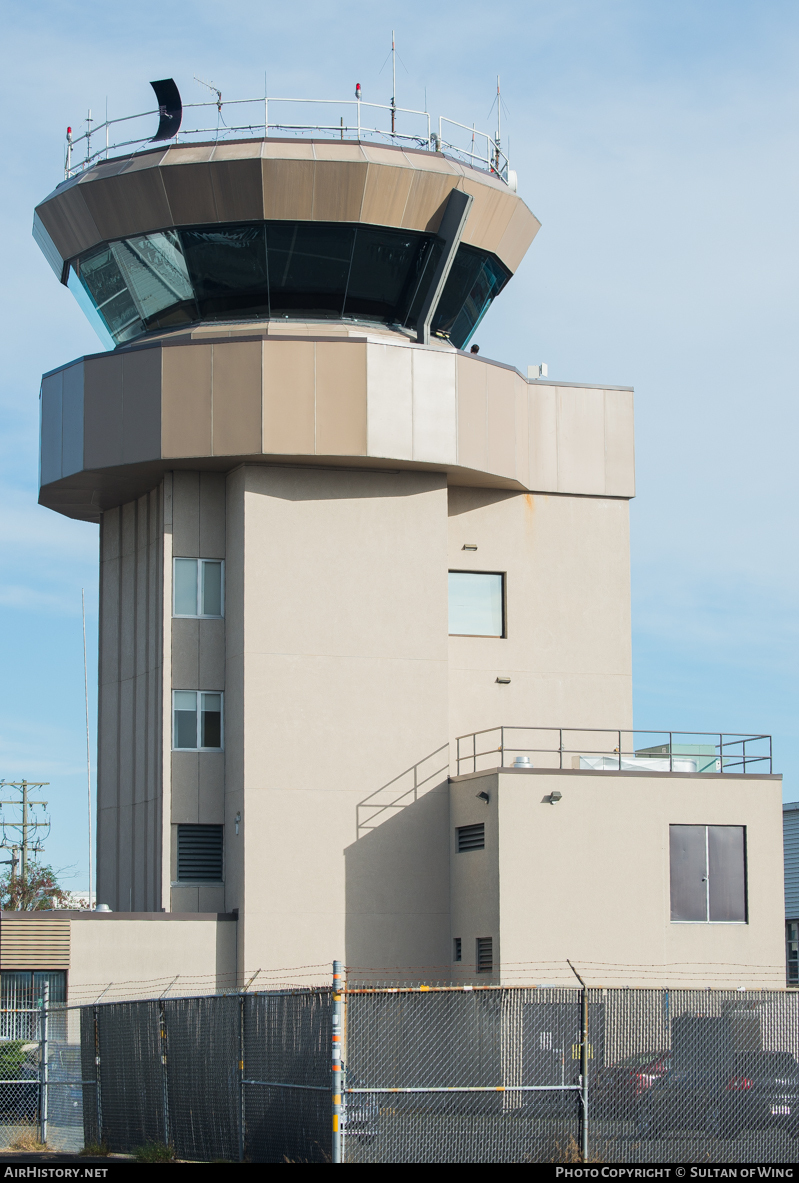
342, 119
604, 750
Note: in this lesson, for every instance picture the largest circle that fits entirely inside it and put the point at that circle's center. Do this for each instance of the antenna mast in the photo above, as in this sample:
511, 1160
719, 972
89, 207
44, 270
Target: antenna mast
393, 84
499, 127
88, 748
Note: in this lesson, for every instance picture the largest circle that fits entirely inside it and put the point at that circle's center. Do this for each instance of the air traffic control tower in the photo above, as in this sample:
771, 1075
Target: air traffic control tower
332, 538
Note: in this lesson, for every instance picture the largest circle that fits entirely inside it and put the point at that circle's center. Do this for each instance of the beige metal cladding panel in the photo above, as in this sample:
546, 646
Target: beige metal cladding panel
434, 407
427, 200
133, 203
386, 194
186, 401
289, 410
489, 216
501, 421
542, 417
472, 414
287, 189
338, 191
515, 242
69, 222
189, 192
390, 405
238, 190
102, 412
237, 399
619, 444
581, 441
141, 406
340, 399
34, 944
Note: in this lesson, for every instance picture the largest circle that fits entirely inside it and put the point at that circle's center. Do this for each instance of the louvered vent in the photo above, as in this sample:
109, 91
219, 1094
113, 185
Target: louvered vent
485, 955
34, 944
472, 837
200, 854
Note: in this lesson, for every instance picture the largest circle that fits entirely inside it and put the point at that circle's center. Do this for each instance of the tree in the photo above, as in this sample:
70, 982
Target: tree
38, 890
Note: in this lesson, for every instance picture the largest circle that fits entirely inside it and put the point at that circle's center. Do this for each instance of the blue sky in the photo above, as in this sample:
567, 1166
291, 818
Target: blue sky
656, 140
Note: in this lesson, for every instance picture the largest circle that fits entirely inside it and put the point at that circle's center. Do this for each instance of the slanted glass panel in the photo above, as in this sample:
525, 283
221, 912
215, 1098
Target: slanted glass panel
211, 588
154, 271
309, 265
211, 721
474, 281
386, 265
476, 603
727, 873
185, 590
688, 859
425, 270
228, 269
105, 284
185, 725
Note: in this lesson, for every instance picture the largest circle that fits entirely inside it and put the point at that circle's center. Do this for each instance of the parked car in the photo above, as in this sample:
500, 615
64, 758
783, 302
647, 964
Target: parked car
617, 1089
753, 1090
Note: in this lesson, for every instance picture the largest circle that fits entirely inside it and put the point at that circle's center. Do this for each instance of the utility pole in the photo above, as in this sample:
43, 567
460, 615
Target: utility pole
28, 825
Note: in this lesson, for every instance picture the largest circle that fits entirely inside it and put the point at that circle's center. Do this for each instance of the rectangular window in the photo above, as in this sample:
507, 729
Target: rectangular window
200, 854
456, 949
21, 995
708, 874
792, 952
198, 587
485, 955
472, 837
197, 720
476, 604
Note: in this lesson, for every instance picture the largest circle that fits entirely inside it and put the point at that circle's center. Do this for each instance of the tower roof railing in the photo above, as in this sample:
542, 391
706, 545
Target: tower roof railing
281, 117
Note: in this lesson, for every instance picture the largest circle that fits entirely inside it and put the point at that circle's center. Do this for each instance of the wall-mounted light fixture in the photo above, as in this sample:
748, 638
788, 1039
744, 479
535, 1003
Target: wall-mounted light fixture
503, 681
483, 797
238, 820
469, 546
554, 797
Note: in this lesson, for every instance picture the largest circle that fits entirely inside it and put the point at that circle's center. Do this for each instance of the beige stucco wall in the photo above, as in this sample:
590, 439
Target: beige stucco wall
568, 645
587, 878
140, 954
336, 692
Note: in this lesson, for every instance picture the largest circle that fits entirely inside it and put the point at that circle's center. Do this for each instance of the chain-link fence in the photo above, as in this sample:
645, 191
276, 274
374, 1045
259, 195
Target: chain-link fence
449, 1074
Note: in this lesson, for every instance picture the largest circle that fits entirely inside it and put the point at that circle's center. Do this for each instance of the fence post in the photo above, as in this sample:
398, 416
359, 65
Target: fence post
336, 1064
98, 1100
583, 1064
164, 1088
241, 1078
43, 1073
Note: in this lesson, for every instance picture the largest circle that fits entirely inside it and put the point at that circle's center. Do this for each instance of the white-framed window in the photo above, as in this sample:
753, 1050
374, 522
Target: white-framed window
476, 604
198, 587
197, 720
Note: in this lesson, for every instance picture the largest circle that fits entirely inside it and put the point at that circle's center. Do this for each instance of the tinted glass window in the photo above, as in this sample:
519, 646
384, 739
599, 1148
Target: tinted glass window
284, 269
309, 265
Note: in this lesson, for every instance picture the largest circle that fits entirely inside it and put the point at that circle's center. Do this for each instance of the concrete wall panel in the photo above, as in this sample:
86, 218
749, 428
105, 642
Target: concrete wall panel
434, 407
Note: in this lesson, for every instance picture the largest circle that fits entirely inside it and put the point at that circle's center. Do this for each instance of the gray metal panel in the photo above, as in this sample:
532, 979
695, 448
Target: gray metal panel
727, 871
72, 420
50, 446
790, 834
141, 406
688, 857
47, 246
